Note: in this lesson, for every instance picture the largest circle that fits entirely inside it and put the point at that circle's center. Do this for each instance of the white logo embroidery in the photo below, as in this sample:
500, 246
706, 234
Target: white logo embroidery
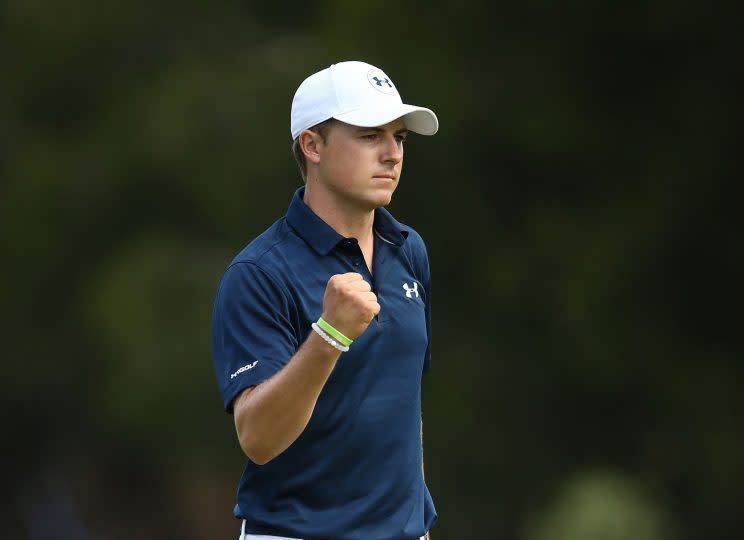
244, 368
410, 290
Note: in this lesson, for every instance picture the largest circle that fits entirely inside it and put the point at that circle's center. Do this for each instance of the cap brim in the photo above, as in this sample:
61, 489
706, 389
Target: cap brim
418, 119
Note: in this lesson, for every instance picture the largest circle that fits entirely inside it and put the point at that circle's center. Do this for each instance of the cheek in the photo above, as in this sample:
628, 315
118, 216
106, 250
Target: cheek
351, 164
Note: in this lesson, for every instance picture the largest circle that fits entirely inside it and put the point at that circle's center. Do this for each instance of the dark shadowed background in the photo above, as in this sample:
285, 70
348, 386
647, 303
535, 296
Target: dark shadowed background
579, 204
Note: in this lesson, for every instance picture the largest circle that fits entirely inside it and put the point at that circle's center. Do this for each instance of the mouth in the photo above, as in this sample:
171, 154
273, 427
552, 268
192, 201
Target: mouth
386, 176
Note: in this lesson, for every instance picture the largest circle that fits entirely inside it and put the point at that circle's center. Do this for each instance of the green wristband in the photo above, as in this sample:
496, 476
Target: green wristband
331, 331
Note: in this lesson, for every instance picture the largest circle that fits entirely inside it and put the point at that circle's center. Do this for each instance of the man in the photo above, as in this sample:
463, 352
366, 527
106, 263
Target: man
321, 330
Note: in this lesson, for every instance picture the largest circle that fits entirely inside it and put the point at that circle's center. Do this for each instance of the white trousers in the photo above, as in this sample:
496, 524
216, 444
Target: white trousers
244, 536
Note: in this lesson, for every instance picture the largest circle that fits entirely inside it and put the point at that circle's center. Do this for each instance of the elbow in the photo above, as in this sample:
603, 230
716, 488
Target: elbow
259, 460
257, 453
257, 456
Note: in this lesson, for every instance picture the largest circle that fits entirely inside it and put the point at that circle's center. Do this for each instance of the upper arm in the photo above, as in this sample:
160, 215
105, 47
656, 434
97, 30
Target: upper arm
239, 405
252, 333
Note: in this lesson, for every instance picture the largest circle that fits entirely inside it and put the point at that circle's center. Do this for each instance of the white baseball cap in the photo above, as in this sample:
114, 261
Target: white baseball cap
356, 93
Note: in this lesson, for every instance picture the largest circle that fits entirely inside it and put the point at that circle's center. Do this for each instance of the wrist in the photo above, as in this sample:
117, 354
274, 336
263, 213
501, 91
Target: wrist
319, 329
327, 329
322, 349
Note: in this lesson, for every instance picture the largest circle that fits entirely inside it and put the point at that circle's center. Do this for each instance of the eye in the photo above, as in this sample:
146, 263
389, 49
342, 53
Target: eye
401, 137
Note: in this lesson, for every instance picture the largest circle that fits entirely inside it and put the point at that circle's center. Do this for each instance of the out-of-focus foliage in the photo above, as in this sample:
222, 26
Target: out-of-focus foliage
580, 205
601, 505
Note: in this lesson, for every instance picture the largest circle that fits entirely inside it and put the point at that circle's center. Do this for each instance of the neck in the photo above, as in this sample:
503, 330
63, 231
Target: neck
347, 220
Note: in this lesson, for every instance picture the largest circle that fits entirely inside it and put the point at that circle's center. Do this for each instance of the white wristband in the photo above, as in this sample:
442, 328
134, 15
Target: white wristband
328, 339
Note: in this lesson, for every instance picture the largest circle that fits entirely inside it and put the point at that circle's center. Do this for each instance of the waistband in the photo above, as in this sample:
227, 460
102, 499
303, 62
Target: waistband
244, 536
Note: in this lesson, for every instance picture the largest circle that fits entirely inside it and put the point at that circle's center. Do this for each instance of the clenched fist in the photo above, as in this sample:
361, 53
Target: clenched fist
349, 304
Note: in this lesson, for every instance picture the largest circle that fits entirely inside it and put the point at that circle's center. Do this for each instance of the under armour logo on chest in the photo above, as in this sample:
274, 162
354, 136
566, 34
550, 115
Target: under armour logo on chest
411, 290
379, 81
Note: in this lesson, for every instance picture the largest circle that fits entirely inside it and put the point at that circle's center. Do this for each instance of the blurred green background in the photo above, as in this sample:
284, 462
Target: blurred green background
579, 204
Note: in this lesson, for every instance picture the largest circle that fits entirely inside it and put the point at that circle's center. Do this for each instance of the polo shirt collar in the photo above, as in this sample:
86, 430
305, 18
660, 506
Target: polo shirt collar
323, 238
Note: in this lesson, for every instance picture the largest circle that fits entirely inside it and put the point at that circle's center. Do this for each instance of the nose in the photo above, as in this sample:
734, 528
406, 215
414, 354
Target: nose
393, 152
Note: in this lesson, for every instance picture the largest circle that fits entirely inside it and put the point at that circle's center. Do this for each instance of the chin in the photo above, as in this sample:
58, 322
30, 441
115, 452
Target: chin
381, 199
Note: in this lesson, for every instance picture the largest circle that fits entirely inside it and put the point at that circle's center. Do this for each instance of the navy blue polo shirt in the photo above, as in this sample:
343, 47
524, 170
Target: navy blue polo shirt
355, 471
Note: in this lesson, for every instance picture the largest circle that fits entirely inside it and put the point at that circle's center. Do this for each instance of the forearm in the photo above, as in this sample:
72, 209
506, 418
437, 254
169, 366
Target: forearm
270, 416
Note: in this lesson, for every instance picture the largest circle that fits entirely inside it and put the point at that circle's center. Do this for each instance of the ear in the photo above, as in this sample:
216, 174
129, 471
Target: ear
310, 143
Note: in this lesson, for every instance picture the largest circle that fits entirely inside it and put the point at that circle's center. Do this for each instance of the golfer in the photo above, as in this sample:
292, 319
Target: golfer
321, 329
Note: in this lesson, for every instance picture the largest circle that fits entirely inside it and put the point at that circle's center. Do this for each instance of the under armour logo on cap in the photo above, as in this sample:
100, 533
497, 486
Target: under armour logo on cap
381, 82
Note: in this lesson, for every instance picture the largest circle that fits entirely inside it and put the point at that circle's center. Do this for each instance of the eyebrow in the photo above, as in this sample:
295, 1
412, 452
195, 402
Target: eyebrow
380, 130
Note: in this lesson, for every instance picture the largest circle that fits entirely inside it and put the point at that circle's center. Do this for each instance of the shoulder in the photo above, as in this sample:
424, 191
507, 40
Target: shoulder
259, 250
259, 264
412, 243
415, 249
415, 241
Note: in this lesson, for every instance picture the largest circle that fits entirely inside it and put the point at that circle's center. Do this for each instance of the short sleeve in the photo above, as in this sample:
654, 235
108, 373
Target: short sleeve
252, 337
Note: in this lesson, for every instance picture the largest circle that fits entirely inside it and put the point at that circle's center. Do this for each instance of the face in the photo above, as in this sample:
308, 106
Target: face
359, 166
